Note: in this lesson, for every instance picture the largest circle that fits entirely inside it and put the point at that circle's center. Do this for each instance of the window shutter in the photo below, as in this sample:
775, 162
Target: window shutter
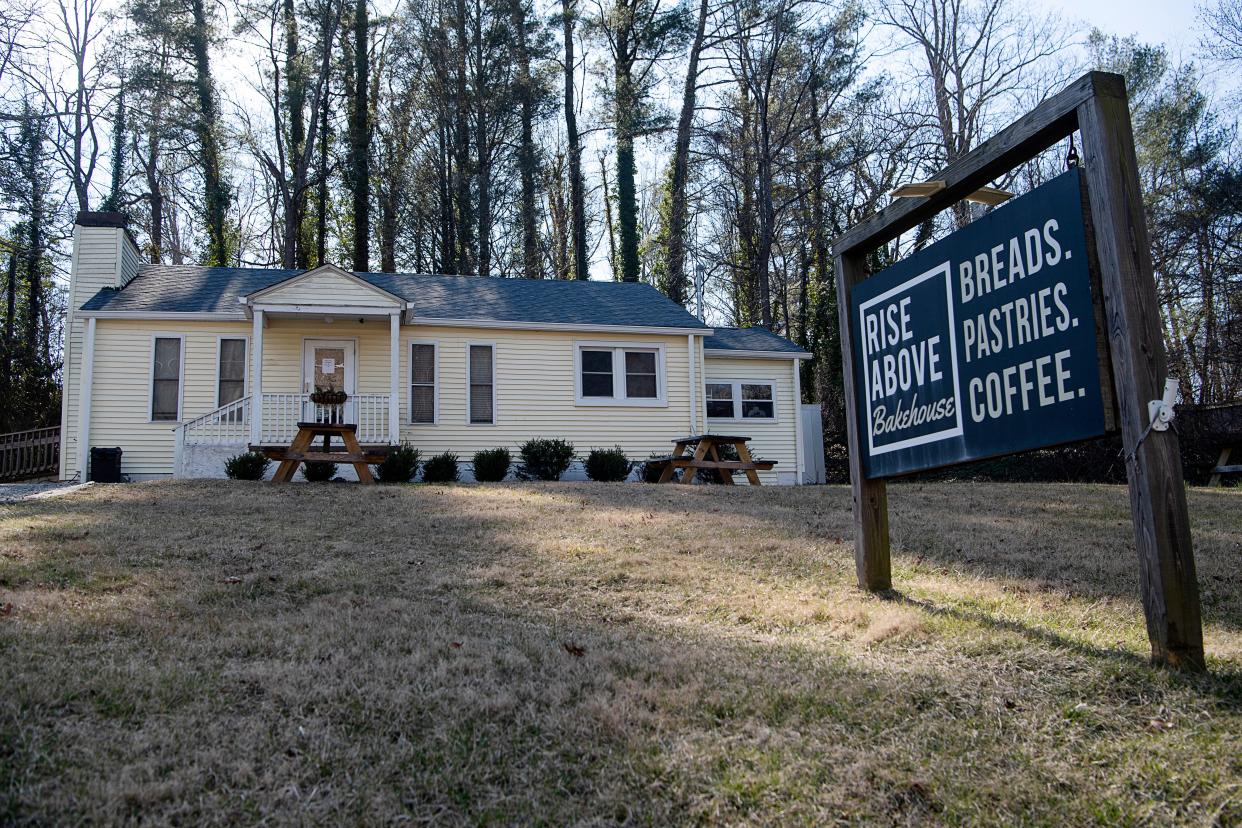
481, 384
166, 379
423, 383
232, 370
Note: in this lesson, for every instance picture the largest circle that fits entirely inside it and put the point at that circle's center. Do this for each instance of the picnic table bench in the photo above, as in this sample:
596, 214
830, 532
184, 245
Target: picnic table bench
301, 451
707, 456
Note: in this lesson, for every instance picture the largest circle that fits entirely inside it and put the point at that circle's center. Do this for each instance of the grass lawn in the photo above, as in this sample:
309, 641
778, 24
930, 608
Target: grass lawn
216, 652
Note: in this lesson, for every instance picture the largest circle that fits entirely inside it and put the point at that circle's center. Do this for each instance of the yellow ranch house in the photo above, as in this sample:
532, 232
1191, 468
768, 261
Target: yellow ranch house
182, 367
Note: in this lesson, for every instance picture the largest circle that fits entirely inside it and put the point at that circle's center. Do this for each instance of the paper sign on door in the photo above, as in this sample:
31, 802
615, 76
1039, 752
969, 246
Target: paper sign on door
328, 366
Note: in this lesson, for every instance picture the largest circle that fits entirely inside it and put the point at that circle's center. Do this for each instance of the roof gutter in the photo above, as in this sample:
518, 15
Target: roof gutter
725, 352
172, 316
432, 321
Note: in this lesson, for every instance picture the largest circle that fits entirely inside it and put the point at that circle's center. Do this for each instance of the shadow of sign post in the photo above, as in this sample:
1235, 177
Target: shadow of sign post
1035, 325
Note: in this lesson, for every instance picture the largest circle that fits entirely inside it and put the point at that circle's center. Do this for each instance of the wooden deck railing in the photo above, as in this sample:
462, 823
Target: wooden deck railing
29, 453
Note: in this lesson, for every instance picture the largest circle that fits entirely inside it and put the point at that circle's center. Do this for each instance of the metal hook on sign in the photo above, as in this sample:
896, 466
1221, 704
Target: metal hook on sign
1071, 157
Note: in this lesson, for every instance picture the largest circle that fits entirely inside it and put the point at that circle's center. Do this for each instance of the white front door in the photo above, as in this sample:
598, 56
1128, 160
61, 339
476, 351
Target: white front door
328, 363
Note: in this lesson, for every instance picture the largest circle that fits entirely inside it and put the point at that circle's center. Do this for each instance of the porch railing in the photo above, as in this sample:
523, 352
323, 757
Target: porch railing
280, 415
29, 453
227, 424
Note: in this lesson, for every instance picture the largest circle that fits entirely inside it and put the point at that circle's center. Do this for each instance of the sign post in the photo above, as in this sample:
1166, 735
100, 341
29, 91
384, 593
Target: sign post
1036, 325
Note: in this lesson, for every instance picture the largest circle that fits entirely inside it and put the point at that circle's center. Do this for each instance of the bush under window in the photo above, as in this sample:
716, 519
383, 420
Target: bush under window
607, 465
249, 465
318, 471
399, 466
491, 465
440, 469
544, 459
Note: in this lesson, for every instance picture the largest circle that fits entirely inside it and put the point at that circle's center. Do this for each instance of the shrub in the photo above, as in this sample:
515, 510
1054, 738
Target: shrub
651, 470
440, 469
399, 466
545, 459
249, 465
491, 465
607, 465
319, 471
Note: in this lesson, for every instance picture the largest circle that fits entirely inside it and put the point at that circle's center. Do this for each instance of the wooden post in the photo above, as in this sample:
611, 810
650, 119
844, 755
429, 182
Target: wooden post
1154, 468
256, 379
871, 550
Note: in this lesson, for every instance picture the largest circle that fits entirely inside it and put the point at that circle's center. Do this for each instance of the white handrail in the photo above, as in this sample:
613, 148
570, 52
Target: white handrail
281, 414
226, 424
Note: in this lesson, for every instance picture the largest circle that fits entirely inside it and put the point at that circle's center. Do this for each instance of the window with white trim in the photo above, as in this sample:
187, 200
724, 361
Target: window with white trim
422, 382
482, 360
166, 378
231, 372
620, 375
741, 400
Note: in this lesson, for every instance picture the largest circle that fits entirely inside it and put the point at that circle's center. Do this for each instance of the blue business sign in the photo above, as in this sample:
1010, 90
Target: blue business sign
983, 343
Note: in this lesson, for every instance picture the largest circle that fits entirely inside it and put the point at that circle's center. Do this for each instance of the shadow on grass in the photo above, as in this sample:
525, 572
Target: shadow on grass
1225, 684
499, 655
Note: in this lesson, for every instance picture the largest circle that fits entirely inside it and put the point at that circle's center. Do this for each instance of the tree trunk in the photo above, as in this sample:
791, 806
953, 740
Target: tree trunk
448, 235
207, 127
608, 224
360, 140
465, 246
531, 268
483, 151
321, 213
676, 253
297, 252
627, 199
576, 203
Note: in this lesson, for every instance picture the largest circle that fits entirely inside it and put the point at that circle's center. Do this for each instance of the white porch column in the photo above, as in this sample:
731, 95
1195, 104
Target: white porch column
394, 363
797, 384
84, 399
694, 389
256, 380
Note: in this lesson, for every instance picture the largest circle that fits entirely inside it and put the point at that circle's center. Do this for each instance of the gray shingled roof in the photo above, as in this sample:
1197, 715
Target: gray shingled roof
194, 289
750, 339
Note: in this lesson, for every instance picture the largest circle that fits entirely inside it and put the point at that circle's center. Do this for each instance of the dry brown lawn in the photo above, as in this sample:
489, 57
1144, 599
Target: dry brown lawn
596, 654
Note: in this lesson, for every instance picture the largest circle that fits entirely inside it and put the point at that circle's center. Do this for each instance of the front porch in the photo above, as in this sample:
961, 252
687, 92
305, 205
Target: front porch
279, 415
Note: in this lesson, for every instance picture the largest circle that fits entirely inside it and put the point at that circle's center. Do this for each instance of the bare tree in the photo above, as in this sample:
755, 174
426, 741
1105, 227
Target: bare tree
979, 60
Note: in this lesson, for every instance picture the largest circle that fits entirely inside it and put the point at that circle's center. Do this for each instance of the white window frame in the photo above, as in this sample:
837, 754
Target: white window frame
618, 397
737, 400
245, 373
180, 379
495, 382
435, 381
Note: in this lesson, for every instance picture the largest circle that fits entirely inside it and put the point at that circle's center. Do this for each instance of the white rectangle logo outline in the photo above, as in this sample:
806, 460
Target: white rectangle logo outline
923, 439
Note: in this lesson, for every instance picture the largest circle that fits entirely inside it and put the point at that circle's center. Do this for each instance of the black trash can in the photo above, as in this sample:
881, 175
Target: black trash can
105, 465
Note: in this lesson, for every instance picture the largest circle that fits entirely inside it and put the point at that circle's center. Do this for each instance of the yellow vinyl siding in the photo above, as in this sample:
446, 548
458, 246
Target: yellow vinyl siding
327, 289
121, 398
534, 379
535, 389
769, 440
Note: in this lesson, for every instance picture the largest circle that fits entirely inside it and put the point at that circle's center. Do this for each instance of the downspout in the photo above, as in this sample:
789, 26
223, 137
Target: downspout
256, 392
84, 400
694, 396
797, 384
394, 361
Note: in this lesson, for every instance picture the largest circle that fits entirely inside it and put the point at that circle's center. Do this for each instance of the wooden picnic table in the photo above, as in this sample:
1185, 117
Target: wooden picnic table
301, 451
707, 456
